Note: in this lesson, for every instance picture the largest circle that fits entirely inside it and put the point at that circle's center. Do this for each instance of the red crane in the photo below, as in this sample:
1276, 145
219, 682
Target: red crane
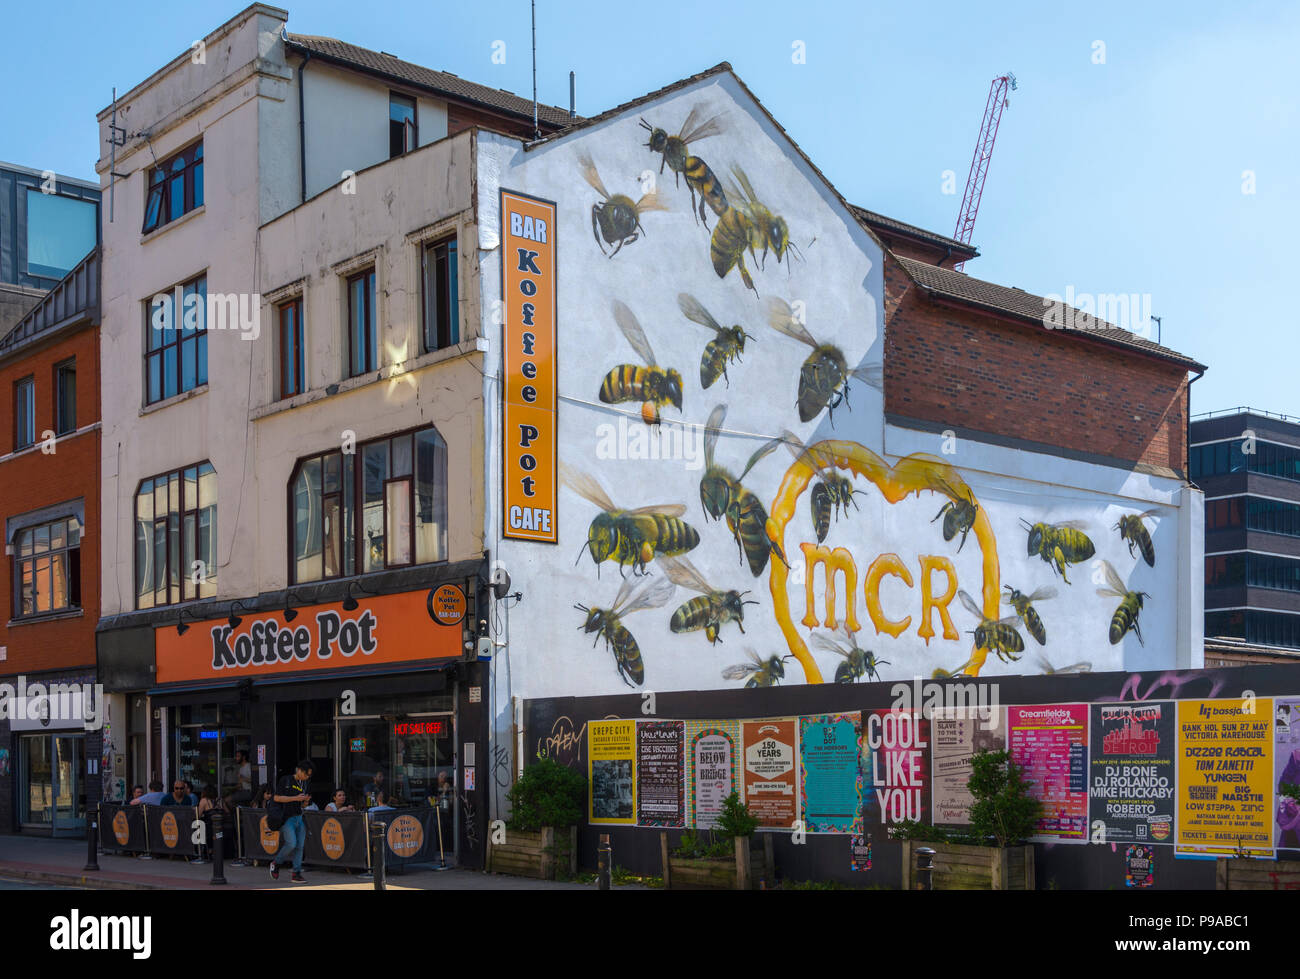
979, 164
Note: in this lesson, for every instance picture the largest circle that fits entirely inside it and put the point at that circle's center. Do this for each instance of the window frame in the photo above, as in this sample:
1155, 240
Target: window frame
71, 564
174, 339
61, 370
410, 126
371, 364
297, 365
445, 332
191, 176
177, 550
27, 384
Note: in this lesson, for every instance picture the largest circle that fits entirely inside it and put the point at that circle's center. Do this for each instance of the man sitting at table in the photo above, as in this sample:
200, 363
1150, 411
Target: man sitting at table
153, 797
180, 795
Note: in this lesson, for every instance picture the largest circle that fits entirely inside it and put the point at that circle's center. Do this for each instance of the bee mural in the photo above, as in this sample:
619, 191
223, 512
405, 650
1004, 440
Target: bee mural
758, 672
729, 243
674, 149
652, 385
721, 495
1134, 533
941, 674
712, 610
1024, 606
1059, 544
958, 513
1130, 606
1051, 670
766, 230
617, 218
833, 491
630, 536
825, 375
607, 623
998, 635
727, 345
857, 662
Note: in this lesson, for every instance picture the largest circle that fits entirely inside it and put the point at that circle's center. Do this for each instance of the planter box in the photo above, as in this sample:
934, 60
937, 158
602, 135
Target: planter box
535, 854
741, 873
973, 868
1257, 875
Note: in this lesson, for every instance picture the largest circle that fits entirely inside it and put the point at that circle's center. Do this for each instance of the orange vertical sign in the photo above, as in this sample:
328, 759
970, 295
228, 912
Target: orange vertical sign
528, 284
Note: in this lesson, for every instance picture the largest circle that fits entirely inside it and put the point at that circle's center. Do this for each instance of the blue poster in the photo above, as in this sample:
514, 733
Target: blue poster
831, 773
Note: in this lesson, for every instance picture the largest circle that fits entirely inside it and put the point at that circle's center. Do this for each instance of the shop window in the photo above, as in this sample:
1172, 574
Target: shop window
175, 187
176, 537
47, 568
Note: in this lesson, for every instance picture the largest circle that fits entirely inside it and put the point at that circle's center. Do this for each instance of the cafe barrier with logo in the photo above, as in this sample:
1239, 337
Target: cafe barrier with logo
411, 836
122, 827
334, 839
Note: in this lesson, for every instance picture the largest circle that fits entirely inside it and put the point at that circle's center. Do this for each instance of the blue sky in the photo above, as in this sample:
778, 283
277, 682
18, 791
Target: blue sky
1118, 177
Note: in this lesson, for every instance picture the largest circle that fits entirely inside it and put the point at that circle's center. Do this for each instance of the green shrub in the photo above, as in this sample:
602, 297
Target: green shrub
736, 819
704, 845
1003, 809
547, 794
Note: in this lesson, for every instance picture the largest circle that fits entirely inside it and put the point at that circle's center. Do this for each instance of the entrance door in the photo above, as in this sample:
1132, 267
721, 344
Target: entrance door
53, 790
69, 785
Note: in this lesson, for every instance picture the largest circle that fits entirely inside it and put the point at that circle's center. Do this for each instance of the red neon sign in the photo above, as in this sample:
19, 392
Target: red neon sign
406, 728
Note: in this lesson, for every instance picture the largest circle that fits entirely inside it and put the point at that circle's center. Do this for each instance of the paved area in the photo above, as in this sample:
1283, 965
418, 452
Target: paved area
33, 860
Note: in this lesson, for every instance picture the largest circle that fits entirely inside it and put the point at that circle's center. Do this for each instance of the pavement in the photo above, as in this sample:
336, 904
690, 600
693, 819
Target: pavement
58, 862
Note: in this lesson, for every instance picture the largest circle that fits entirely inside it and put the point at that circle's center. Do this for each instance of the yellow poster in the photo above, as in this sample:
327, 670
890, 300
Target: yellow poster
1225, 768
611, 771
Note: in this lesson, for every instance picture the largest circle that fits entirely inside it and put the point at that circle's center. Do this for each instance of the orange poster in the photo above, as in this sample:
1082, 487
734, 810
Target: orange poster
528, 282
771, 771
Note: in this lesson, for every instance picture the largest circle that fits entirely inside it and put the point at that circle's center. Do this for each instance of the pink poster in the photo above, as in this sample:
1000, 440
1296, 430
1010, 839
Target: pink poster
1050, 742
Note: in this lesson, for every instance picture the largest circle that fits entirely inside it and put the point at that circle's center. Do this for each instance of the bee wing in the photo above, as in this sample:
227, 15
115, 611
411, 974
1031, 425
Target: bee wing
1084, 667
739, 671
681, 572
829, 645
1044, 665
590, 175
1011, 620
969, 602
1113, 579
651, 202
781, 318
759, 453
656, 592
1073, 524
743, 179
692, 310
711, 429
709, 127
663, 509
801, 452
624, 593
872, 375
1147, 514
688, 122
1043, 594
585, 485
635, 335
1110, 593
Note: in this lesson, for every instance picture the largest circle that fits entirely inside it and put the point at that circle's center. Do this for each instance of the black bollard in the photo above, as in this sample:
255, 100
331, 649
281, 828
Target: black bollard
924, 868
603, 854
92, 840
377, 855
218, 871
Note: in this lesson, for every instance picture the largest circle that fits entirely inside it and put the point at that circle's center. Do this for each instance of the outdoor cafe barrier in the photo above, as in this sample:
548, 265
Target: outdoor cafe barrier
411, 836
334, 839
121, 827
159, 830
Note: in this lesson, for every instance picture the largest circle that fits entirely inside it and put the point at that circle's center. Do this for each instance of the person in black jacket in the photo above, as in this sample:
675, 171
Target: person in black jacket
290, 794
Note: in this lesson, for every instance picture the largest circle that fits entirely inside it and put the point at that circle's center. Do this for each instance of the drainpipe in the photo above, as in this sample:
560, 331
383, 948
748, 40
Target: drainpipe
302, 129
1187, 436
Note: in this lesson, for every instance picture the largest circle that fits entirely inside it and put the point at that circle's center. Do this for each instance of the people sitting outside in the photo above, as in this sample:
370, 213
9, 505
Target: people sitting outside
180, 795
382, 802
208, 804
339, 802
153, 797
243, 793
373, 788
192, 796
136, 792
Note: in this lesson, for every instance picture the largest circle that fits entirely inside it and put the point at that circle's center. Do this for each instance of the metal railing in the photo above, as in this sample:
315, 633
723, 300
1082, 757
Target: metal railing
1245, 410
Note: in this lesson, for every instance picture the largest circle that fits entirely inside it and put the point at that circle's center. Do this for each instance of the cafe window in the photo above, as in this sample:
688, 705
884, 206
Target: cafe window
441, 294
175, 187
176, 537
383, 506
47, 567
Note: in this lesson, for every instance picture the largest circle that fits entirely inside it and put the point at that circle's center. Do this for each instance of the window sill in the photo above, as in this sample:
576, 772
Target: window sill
174, 399
72, 613
59, 440
156, 233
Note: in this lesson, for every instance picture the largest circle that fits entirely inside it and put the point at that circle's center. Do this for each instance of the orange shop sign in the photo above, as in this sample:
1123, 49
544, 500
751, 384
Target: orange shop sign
386, 629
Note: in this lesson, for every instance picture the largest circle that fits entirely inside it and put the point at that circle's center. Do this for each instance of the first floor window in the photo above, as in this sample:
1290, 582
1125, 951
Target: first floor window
176, 537
361, 324
47, 561
24, 413
292, 359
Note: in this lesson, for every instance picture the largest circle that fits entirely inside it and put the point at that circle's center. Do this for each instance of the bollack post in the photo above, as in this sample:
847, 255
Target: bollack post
603, 862
92, 840
377, 855
218, 848
924, 868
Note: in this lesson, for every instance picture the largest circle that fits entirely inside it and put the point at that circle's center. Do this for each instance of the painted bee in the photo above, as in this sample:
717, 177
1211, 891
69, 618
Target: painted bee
1059, 544
999, 635
1050, 670
1024, 606
824, 377
652, 385
958, 513
941, 674
616, 218
607, 623
727, 345
674, 149
1132, 530
723, 495
700, 179
831, 493
766, 230
630, 536
857, 662
712, 610
729, 242
758, 672
1126, 615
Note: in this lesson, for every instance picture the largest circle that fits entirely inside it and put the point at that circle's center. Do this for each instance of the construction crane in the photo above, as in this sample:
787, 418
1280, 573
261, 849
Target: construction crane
979, 164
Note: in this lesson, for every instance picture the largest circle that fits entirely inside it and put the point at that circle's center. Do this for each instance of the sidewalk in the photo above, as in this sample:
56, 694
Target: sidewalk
59, 862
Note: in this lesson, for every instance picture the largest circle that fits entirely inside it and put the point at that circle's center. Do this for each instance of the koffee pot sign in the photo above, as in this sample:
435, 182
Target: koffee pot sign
385, 629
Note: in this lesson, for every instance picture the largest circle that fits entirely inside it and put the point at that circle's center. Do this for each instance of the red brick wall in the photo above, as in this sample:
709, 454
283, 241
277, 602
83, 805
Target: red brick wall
33, 480
960, 368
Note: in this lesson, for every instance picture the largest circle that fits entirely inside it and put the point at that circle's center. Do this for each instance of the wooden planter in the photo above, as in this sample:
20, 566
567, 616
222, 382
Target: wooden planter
741, 873
535, 854
1257, 875
973, 868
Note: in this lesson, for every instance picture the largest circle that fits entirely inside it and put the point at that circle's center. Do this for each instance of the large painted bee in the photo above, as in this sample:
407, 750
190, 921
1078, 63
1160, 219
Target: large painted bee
1024, 606
1059, 544
825, 375
617, 218
727, 344
712, 610
652, 385
766, 230
721, 494
1126, 615
831, 493
958, 513
758, 672
729, 242
607, 623
857, 662
700, 179
674, 149
999, 635
630, 536
1132, 530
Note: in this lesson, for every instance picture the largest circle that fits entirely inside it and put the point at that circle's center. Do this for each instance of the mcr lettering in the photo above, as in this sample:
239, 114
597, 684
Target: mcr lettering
267, 642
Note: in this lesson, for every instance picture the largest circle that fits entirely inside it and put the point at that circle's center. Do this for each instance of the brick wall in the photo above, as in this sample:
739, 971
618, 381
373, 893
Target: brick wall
960, 368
